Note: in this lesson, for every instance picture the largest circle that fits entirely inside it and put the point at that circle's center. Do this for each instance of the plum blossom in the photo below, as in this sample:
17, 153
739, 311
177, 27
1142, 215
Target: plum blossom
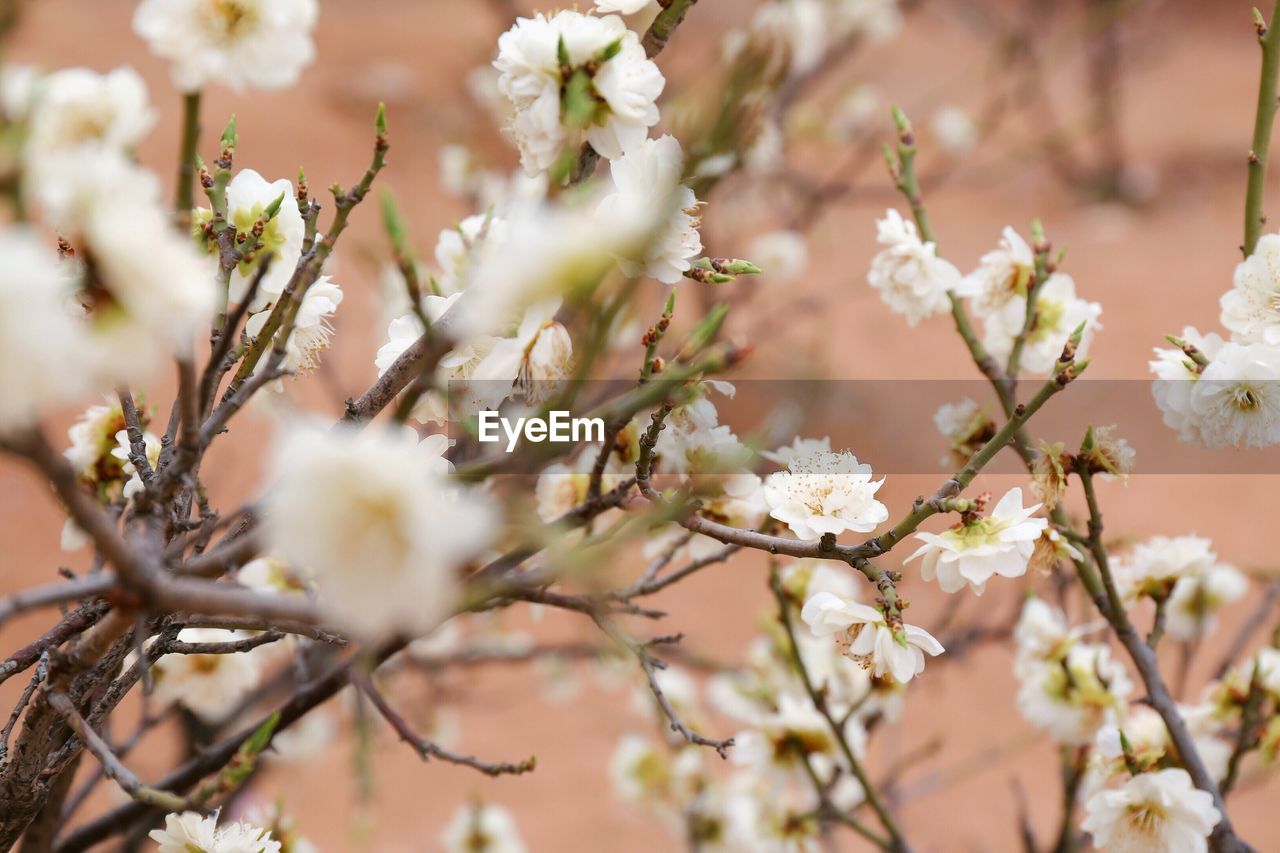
192, 832
910, 276
482, 828
210, 686
1059, 312
1002, 274
248, 197
311, 329
782, 255
378, 525
864, 636
41, 349
647, 178
1153, 567
798, 447
1074, 692
263, 44
825, 492
1236, 401
977, 549
1176, 375
1160, 810
1251, 308
1195, 601
955, 130
595, 61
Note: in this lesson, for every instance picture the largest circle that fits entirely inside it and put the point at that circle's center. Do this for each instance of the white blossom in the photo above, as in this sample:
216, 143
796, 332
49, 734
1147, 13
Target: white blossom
482, 828
1002, 274
81, 122
910, 276
19, 86
123, 449
1154, 566
1194, 603
192, 832
646, 179
537, 359
1176, 375
1160, 810
1251, 308
455, 247
825, 492
1073, 695
42, 359
383, 532
311, 329
863, 635
797, 448
248, 196
1236, 400
1059, 312
263, 44
622, 84
972, 552
210, 686
1041, 635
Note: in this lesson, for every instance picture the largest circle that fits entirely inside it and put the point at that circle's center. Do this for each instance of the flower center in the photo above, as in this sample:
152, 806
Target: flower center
231, 19
1246, 399
1146, 819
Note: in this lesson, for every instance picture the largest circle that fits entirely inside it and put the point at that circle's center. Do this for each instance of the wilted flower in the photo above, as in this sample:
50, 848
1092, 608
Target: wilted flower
864, 636
260, 43
977, 549
1048, 475
911, 278
824, 492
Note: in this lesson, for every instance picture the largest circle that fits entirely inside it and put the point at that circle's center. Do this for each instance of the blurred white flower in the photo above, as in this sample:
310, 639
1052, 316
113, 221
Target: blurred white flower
1160, 810
911, 278
955, 130
1002, 274
797, 448
192, 831
863, 636
210, 686
19, 86
824, 492
973, 552
782, 255
621, 7
1236, 400
263, 44
537, 360
619, 85
1042, 634
1154, 566
646, 181
1195, 601
482, 828
1251, 308
455, 246
383, 532
1073, 695
42, 359
1058, 313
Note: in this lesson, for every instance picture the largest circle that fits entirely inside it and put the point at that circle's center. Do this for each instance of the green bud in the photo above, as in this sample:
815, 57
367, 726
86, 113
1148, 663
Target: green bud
671, 303
380, 121
274, 207
707, 329
900, 120
609, 51
578, 105
738, 266
1087, 445
393, 222
230, 138
562, 53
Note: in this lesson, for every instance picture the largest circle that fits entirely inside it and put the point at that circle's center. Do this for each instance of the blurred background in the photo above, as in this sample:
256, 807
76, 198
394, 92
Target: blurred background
1123, 126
